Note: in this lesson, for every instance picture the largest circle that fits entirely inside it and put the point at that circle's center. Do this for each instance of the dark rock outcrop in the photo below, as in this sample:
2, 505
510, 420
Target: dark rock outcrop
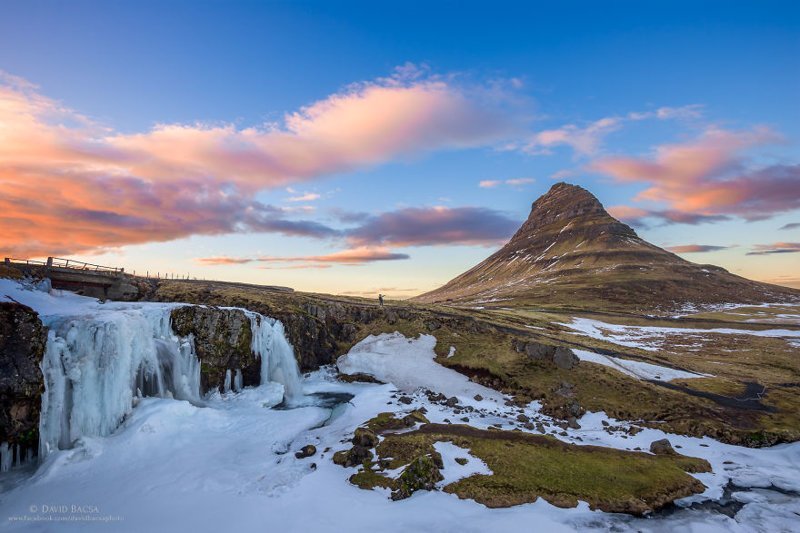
222, 339
662, 447
560, 356
23, 339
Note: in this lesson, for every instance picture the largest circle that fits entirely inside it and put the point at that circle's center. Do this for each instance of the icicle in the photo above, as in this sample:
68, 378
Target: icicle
227, 386
237, 380
6, 457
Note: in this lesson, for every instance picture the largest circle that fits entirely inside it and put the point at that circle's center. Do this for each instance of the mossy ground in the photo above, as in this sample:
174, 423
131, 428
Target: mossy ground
525, 467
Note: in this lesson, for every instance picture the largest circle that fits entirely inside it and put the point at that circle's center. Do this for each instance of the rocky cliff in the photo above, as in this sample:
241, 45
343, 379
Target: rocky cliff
222, 339
22, 343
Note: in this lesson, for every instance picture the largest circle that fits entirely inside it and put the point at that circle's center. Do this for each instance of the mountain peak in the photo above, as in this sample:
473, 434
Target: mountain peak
569, 205
570, 251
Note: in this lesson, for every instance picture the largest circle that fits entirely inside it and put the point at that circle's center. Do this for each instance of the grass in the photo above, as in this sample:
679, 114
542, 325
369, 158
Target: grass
526, 467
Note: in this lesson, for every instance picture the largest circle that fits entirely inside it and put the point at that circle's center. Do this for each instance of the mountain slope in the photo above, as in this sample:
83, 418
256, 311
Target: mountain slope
572, 253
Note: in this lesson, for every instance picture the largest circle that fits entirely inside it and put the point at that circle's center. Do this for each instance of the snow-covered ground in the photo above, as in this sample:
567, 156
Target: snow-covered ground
637, 369
652, 338
229, 464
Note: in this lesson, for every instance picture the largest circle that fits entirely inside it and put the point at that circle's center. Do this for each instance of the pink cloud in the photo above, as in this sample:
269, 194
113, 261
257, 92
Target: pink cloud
353, 256
178, 180
710, 178
775, 248
695, 248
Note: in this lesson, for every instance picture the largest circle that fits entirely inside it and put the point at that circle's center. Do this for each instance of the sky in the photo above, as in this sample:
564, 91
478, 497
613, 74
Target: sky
365, 147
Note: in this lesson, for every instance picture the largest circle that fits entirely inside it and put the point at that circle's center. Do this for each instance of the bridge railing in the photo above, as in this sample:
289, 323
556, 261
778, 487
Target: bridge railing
59, 262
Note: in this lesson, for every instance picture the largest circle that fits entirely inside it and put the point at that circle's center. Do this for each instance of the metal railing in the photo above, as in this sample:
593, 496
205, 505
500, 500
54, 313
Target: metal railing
73, 264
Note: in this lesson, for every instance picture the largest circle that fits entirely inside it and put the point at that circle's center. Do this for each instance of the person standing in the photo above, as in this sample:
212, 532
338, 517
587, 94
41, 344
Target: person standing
380, 299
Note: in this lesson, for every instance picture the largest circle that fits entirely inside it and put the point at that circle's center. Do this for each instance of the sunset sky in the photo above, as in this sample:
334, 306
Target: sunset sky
364, 147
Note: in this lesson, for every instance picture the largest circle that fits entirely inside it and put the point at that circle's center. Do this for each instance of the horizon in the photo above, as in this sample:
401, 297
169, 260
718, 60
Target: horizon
220, 142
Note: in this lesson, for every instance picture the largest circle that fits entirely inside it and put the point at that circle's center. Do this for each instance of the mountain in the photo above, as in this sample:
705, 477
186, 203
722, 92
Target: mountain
572, 253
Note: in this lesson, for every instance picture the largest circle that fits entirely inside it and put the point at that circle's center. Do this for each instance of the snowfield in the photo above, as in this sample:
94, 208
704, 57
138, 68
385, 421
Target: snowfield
228, 464
651, 338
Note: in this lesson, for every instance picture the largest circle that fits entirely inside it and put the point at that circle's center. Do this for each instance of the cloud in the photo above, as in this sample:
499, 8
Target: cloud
346, 257
775, 248
586, 140
222, 260
433, 226
792, 225
695, 248
710, 178
355, 256
305, 197
583, 140
178, 180
513, 182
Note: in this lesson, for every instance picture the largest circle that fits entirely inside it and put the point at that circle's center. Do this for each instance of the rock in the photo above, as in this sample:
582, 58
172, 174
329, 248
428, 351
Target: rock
405, 400
462, 460
433, 324
413, 418
561, 356
573, 423
365, 437
306, 451
451, 402
565, 359
662, 447
352, 457
421, 474
523, 418
22, 343
478, 398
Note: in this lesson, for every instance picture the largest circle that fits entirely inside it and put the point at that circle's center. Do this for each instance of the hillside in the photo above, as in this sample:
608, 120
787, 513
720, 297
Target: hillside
571, 253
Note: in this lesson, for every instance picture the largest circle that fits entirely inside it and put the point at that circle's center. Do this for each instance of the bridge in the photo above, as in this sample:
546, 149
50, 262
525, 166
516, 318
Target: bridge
84, 278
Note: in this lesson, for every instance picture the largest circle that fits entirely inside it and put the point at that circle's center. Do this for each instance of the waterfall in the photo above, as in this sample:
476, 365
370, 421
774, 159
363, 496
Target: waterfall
277, 356
95, 365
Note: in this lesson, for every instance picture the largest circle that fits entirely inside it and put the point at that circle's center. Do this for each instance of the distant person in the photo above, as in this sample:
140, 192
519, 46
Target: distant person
380, 299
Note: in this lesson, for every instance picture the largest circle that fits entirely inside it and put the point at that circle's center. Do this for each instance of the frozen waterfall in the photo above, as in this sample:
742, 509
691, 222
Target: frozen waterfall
97, 364
278, 363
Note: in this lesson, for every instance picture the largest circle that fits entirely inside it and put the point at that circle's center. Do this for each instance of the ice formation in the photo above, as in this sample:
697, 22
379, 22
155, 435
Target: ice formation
100, 359
277, 356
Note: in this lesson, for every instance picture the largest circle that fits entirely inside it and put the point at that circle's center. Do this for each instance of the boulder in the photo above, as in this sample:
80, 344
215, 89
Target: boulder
365, 437
306, 451
353, 457
662, 447
421, 474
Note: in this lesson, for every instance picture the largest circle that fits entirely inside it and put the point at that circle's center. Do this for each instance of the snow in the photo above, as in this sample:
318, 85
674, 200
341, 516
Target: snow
453, 471
650, 338
637, 369
228, 463
409, 365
